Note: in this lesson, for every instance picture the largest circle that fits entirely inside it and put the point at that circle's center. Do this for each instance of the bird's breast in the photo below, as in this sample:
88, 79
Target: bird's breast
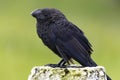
47, 37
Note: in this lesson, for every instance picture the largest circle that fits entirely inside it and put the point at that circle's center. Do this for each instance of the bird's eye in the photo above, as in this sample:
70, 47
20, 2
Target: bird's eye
47, 16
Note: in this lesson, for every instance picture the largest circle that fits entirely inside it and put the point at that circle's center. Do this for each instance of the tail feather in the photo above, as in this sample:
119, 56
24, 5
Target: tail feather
94, 64
108, 78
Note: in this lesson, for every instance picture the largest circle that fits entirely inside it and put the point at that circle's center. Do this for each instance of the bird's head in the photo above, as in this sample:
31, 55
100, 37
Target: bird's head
48, 14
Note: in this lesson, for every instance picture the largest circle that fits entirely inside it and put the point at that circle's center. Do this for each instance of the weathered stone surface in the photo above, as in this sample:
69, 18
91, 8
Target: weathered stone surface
69, 73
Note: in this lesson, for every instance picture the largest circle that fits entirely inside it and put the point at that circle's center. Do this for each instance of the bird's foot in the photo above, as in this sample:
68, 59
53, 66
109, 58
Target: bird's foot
55, 65
74, 66
52, 65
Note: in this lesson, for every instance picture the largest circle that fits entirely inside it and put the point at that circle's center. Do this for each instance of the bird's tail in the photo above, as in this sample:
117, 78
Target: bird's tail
108, 78
94, 64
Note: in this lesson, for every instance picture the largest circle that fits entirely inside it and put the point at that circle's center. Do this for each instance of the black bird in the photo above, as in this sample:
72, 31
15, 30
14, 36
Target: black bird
62, 37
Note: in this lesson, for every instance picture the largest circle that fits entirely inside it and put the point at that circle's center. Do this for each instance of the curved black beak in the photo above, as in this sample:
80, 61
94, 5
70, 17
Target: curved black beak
36, 12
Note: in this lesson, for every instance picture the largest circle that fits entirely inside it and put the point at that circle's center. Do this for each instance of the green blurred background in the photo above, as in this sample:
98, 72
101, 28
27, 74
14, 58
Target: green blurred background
21, 49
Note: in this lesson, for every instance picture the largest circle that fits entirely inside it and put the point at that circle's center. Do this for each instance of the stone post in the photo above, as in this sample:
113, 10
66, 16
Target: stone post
67, 73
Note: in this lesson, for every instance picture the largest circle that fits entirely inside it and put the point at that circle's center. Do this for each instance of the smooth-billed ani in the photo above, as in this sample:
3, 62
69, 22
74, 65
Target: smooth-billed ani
62, 37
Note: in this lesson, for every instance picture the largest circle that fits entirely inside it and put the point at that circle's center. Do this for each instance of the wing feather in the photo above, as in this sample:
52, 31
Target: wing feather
72, 43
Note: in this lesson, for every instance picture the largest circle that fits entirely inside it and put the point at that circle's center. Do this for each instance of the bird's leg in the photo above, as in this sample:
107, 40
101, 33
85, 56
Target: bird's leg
60, 64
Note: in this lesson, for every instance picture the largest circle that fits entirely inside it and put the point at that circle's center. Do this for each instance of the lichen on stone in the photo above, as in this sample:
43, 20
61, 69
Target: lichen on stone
68, 73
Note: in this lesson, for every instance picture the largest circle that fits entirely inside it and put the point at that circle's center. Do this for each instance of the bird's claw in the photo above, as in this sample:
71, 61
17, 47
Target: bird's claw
55, 65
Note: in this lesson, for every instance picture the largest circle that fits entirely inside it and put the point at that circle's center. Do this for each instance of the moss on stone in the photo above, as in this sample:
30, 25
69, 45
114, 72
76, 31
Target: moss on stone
68, 73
